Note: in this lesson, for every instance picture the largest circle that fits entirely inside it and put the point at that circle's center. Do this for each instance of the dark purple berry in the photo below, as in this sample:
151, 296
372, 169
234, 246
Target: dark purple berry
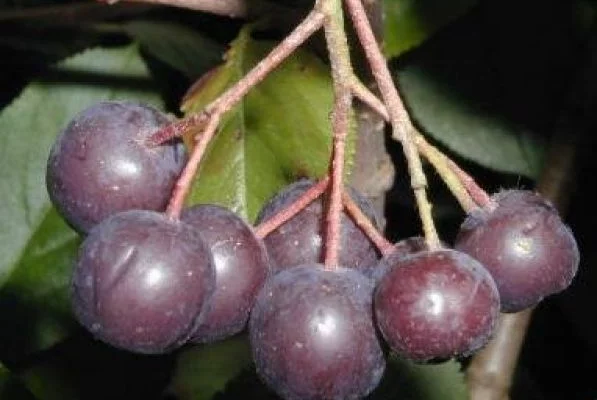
241, 265
100, 164
312, 334
142, 281
436, 305
300, 240
525, 246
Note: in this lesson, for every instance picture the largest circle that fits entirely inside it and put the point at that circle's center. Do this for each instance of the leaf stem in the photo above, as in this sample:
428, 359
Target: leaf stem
273, 223
207, 121
401, 124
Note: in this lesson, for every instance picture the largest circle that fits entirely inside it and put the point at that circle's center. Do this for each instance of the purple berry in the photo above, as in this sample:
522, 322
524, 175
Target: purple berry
241, 265
300, 240
312, 334
142, 281
100, 164
436, 305
525, 246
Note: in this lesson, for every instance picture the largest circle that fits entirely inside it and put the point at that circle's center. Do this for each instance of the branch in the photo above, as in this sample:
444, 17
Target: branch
228, 8
73, 12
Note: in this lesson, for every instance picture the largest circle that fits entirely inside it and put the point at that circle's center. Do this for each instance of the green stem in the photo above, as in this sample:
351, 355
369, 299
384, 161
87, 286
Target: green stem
442, 166
461, 185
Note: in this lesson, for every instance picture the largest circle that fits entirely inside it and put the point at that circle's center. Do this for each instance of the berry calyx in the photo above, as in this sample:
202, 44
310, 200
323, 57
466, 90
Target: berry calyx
524, 244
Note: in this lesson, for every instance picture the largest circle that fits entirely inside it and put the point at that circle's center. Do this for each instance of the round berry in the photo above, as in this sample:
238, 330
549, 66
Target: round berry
241, 264
100, 164
141, 281
436, 305
524, 244
312, 334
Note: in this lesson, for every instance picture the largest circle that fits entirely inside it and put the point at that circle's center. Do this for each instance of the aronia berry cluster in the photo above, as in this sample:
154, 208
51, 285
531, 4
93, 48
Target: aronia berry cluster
147, 282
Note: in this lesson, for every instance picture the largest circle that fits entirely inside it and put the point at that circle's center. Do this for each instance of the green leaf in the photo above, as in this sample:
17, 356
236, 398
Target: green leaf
181, 47
203, 371
37, 246
405, 380
407, 23
278, 132
472, 129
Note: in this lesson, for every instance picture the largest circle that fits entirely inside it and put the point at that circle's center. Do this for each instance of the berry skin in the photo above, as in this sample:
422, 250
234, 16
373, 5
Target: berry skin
300, 240
401, 249
241, 264
99, 164
435, 305
141, 281
312, 334
525, 246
